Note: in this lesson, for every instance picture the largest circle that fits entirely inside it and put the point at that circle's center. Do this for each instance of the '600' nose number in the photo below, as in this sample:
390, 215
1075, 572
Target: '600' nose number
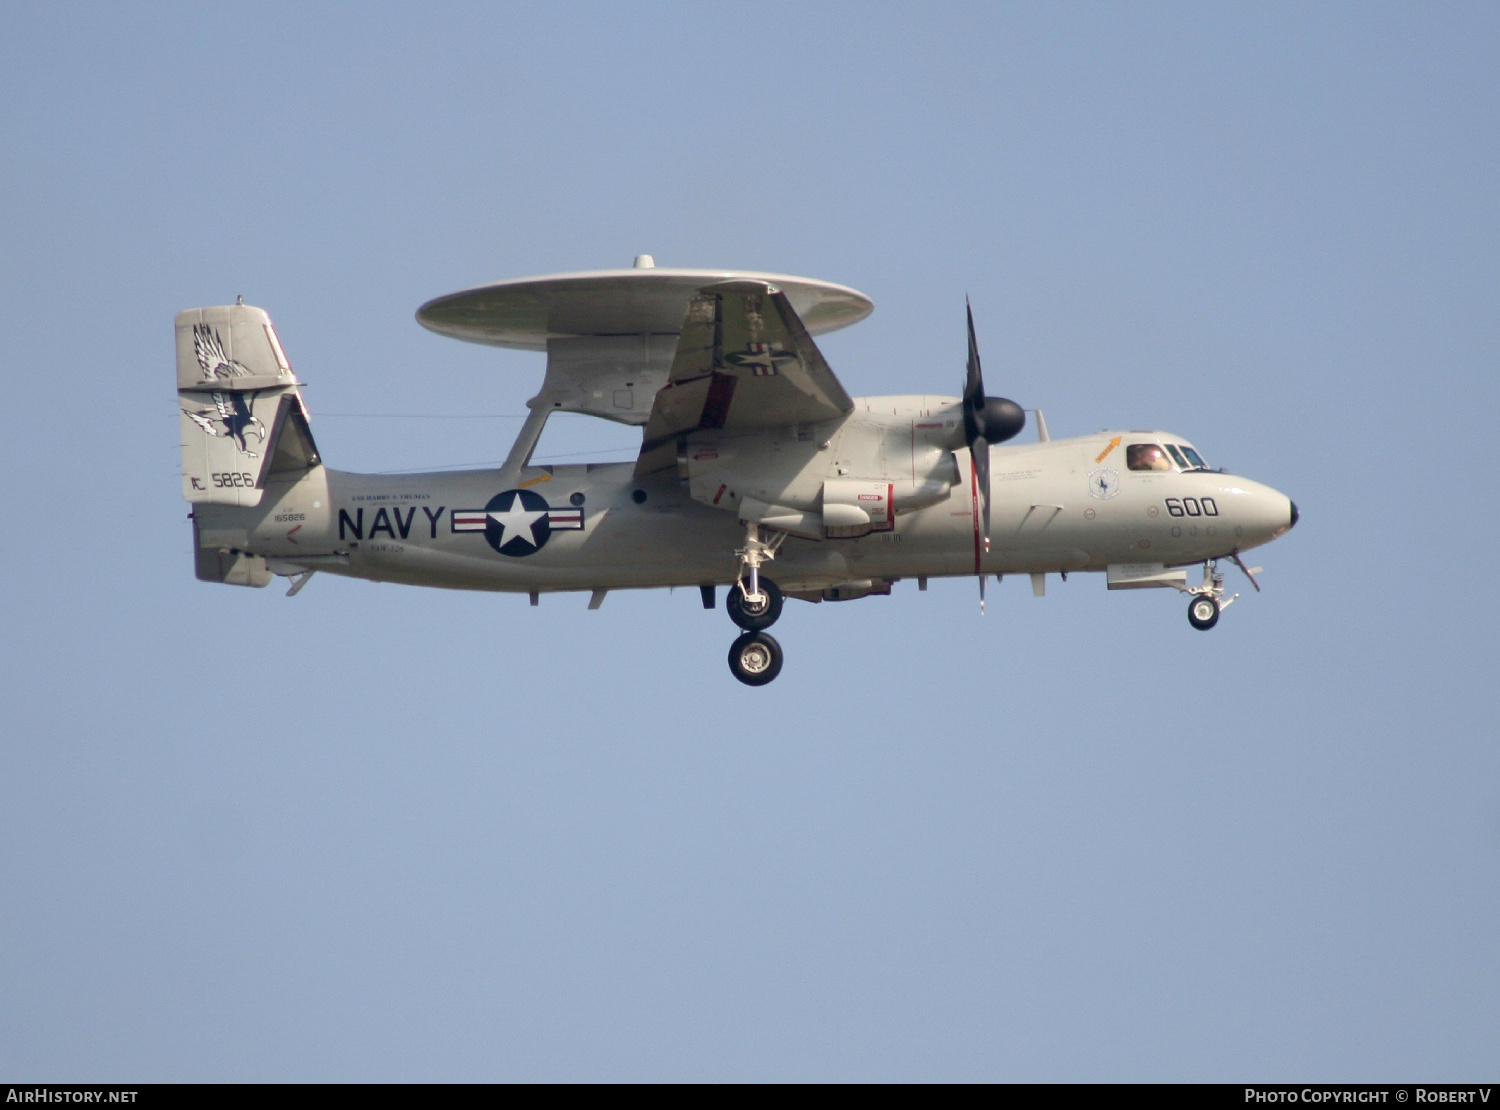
1192, 506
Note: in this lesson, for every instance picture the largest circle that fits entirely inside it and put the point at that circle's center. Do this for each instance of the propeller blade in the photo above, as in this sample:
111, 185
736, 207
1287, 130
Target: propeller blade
973, 402
974, 383
981, 594
974, 431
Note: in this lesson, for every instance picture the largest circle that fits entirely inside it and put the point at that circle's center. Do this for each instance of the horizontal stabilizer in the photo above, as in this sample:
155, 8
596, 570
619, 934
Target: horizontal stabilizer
233, 568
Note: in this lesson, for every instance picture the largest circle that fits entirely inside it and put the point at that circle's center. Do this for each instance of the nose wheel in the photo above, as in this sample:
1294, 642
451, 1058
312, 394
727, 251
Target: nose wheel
1209, 599
755, 658
1203, 613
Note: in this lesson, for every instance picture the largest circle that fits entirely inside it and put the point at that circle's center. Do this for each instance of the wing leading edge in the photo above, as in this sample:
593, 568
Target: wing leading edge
744, 360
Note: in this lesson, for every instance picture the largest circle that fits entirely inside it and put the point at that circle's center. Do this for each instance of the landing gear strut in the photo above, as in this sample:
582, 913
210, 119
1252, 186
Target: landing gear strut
754, 603
751, 557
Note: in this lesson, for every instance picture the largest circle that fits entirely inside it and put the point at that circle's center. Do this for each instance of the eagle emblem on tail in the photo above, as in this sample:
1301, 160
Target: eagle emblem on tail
233, 414
208, 345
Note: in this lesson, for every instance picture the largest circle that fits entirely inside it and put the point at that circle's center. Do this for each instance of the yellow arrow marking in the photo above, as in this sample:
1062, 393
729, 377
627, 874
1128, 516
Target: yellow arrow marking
1105, 453
548, 478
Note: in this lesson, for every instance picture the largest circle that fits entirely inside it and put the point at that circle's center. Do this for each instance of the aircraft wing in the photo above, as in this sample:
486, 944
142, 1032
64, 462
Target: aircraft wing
744, 360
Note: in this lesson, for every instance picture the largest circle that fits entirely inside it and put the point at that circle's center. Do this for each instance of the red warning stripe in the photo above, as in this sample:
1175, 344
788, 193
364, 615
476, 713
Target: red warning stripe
974, 500
716, 404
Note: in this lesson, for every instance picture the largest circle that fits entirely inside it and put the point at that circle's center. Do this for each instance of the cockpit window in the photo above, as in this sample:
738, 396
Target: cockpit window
1177, 456
1146, 456
1194, 458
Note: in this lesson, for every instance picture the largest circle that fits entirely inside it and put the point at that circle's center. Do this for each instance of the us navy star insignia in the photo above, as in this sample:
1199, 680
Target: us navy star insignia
763, 359
517, 522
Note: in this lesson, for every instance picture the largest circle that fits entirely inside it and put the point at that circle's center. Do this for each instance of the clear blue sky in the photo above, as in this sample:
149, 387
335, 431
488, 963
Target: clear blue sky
378, 833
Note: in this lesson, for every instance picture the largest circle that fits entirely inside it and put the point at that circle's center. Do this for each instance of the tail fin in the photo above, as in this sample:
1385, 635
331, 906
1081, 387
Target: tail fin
243, 418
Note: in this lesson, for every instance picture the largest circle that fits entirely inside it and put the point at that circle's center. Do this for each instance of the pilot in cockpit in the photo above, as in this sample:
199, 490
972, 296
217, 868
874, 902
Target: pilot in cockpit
1146, 456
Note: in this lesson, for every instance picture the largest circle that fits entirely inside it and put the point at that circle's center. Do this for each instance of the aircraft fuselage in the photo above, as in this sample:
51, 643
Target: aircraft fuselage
1060, 505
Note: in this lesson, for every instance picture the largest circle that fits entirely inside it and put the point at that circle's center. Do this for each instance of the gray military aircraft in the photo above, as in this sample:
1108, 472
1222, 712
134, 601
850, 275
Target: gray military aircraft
752, 457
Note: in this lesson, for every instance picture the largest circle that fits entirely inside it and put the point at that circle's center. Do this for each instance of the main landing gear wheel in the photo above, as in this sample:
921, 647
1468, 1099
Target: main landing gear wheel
755, 658
759, 616
1203, 613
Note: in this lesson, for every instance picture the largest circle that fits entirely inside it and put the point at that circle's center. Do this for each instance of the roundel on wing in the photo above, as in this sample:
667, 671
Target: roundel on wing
516, 522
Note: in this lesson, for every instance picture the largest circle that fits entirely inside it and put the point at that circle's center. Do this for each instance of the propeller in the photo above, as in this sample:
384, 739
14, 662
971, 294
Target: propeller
987, 420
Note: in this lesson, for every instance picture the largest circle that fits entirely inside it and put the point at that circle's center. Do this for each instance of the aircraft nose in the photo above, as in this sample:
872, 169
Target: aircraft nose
1268, 513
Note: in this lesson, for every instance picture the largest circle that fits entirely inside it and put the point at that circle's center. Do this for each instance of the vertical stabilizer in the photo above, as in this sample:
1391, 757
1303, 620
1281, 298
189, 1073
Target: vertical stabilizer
242, 416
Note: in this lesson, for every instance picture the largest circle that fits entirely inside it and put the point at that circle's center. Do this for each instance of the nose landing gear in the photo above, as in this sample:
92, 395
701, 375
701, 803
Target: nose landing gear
1208, 600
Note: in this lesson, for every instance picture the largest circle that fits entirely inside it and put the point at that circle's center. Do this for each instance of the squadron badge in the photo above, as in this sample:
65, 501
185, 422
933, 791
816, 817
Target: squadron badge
1104, 483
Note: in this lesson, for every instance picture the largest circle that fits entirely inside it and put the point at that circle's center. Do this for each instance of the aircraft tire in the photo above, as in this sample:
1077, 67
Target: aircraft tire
759, 621
755, 658
1203, 613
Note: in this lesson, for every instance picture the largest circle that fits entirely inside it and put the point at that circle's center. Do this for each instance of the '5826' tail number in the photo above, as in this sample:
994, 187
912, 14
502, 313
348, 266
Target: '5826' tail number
1192, 506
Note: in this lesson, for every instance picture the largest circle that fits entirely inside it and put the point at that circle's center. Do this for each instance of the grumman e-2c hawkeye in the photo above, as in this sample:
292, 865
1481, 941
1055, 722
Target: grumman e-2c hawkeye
754, 463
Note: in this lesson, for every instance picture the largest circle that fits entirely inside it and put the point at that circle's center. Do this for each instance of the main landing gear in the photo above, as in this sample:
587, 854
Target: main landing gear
754, 603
